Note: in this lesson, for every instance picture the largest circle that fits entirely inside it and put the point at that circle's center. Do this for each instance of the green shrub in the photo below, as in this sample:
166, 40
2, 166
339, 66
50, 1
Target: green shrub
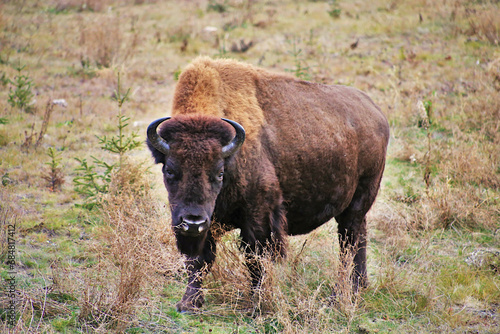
93, 180
335, 10
54, 176
20, 94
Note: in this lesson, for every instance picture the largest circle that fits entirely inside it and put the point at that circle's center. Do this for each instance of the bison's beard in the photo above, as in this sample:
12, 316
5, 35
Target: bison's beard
191, 246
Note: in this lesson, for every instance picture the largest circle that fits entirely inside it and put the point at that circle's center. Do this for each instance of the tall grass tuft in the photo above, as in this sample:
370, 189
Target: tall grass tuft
105, 43
425, 109
300, 294
484, 23
136, 252
35, 139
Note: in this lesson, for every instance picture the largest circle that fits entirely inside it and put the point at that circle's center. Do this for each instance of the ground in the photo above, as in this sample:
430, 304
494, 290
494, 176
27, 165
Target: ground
91, 239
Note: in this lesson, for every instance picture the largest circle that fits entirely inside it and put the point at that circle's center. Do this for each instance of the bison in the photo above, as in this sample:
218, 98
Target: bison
268, 154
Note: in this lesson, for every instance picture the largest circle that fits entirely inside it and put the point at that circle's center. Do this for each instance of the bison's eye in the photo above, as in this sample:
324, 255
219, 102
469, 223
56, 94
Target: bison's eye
220, 176
169, 172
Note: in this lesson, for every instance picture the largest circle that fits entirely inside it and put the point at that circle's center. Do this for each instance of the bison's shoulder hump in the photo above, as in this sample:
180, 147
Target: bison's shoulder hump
221, 88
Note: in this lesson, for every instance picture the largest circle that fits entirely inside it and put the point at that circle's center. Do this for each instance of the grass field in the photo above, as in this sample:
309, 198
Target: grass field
93, 248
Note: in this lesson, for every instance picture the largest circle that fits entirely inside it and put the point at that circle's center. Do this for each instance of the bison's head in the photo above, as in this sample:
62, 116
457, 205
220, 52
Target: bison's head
194, 151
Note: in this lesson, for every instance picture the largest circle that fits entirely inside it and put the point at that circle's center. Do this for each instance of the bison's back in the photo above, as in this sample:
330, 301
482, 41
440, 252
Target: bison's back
322, 140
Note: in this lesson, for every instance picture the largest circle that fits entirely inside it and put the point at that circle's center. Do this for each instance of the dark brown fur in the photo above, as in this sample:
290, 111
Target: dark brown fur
313, 152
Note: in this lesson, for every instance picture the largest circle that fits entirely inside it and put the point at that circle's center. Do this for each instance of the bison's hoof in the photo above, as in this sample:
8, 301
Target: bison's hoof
186, 308
190, 304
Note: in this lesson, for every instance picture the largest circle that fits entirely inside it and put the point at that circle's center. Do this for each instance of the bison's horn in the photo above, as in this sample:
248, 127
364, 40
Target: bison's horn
158, 142
237, 141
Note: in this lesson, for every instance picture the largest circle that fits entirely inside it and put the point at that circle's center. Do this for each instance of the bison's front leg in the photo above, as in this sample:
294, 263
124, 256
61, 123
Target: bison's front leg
193, 297
197, 268
255, 268
269, 240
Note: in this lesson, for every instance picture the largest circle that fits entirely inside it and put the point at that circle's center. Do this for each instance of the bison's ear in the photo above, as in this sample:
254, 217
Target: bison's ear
157, 155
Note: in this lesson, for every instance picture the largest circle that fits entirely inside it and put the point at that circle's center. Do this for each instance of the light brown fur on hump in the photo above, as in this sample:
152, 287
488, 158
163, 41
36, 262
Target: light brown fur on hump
221, 88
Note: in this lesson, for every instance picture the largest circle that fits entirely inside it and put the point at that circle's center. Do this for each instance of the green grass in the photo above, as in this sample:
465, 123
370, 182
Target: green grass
423, 241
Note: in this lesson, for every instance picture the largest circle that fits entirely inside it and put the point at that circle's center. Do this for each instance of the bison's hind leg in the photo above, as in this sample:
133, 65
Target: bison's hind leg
352, 227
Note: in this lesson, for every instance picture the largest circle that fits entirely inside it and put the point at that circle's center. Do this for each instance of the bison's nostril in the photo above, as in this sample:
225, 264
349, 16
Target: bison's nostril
194, 220
193, 224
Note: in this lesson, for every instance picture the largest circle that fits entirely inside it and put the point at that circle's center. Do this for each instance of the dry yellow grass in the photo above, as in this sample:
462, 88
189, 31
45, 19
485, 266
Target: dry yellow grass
136, 253
118, 269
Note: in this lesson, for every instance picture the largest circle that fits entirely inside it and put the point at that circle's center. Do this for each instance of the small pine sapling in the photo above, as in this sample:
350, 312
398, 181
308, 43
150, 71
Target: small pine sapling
89, 183
93, 179
300, 71
122, 143
20, 94
335, 10
54, 175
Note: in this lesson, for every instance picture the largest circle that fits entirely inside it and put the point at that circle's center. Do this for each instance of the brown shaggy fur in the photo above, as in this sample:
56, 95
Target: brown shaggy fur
221, 88
313, 152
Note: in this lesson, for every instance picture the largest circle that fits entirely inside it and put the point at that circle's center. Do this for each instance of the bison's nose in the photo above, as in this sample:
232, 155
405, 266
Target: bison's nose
193, 225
